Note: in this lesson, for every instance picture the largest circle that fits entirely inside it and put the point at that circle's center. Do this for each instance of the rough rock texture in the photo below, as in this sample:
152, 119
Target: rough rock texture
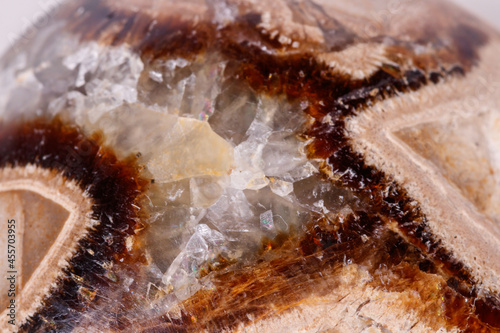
222, 166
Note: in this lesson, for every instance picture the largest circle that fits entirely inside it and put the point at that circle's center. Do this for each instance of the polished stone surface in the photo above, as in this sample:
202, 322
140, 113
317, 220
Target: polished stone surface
219, 166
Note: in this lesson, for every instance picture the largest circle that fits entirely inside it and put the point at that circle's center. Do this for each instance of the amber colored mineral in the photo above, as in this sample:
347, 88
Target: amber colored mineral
251, 166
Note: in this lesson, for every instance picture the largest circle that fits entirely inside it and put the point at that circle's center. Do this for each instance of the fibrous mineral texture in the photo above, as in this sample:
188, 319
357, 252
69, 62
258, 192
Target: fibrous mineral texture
251, 166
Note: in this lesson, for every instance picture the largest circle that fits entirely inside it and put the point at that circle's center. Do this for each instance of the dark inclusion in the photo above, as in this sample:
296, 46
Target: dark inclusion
113, 186
298, 77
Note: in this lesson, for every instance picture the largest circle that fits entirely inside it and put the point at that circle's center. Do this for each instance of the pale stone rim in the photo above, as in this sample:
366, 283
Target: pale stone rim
53, 186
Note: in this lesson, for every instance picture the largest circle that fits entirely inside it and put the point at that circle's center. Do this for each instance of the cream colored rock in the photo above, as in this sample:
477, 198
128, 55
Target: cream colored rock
450, 168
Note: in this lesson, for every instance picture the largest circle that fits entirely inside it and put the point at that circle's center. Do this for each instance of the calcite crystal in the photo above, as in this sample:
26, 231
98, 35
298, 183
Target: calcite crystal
251, 166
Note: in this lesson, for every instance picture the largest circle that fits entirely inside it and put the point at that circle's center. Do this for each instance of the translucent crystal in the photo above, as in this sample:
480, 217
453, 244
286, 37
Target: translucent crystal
86, 60
206, 116
107, 76
282, 153
184, 271
196, 151
281, 187
267, 223
231, 213
183, 88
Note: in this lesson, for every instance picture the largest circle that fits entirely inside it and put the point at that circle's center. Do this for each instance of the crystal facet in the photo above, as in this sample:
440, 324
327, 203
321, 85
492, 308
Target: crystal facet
246, 166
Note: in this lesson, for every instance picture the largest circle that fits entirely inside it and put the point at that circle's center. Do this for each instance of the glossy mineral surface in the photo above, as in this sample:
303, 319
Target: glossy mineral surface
249, 166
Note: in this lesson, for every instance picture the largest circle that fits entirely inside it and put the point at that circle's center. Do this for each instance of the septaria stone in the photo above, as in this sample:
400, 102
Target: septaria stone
252, 166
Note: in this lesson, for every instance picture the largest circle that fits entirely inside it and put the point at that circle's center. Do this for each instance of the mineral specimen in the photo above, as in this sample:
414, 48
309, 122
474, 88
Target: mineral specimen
251, 166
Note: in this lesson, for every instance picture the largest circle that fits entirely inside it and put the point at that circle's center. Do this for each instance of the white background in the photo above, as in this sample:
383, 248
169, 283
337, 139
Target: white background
16, 15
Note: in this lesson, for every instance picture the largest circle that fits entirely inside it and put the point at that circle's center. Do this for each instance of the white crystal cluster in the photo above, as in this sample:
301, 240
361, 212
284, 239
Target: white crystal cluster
104, 81
265, 185
204, 245
229, 167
